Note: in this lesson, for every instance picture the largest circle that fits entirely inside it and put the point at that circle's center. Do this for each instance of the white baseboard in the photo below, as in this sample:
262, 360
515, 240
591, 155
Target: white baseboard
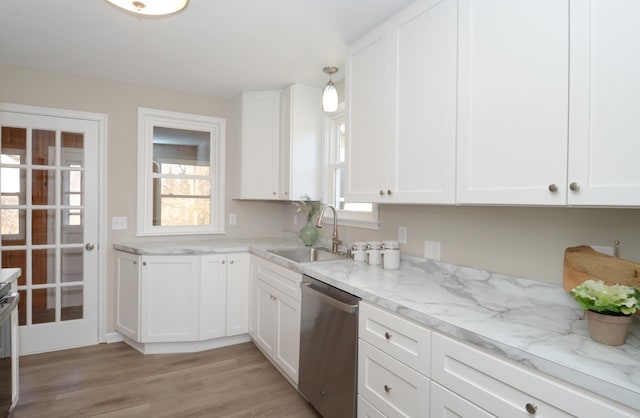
114, 337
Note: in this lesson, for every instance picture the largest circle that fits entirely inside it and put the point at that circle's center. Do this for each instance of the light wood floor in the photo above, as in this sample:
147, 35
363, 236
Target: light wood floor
114, 380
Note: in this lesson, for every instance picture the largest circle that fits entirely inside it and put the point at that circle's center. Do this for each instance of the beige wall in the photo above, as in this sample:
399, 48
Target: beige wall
521, 241
119, 101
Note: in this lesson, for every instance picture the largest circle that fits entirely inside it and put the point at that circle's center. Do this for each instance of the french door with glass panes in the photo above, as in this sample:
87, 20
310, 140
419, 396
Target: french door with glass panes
49, 220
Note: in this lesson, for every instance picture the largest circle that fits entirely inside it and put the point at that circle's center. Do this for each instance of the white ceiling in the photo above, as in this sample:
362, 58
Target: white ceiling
213, 47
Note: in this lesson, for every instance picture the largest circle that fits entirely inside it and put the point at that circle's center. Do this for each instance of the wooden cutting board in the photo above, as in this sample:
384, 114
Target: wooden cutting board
583, 263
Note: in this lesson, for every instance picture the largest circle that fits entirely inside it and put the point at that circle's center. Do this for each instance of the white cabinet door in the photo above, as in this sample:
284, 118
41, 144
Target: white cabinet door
512, 101
301, 141
128, 294
287, 348
169, 295
367, 84
604, 121
213, 296
260, 137
265, 328
423, 103
446, 404
237, 294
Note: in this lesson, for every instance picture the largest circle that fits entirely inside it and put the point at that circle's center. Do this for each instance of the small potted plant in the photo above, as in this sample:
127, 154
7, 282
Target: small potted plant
308, 233
609, 309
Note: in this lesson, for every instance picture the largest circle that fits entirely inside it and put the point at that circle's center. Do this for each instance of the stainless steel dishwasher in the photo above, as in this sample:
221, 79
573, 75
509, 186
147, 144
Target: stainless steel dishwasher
328, 349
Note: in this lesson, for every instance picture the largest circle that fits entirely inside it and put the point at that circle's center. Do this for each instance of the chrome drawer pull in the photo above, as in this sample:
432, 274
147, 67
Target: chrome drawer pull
531, 408
388, 389
387, 335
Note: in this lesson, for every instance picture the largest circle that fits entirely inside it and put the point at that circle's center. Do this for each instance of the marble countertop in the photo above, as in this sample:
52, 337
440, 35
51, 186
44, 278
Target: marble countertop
536, 324
10, 275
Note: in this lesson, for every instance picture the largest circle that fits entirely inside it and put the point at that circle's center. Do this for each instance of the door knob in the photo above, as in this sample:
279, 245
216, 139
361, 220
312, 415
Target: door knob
90, 246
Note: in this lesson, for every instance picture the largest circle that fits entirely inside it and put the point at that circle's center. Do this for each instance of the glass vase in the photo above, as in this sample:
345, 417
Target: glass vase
308, 233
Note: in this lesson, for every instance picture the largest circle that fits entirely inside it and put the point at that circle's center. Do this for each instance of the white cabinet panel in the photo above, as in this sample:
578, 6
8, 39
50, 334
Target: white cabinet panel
446, 404
396, 335
512, 101
390, 386
213, 296
128, 294
265, 332
287, 351
237, 298
366, 410
259, 142
367, 84
423, 103
604, 121
170, 295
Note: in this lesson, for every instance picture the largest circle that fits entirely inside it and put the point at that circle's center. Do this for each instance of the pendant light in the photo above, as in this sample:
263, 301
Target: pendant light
330, 94
151, 7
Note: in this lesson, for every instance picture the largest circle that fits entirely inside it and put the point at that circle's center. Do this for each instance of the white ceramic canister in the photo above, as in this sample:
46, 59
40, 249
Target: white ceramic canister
359, 251
374, 254
390, 255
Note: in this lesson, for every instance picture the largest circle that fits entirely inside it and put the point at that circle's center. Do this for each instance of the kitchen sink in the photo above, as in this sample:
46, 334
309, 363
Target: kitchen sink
308, 255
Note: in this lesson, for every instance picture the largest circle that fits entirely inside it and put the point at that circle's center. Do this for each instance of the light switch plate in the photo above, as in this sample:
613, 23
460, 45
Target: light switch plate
119, 223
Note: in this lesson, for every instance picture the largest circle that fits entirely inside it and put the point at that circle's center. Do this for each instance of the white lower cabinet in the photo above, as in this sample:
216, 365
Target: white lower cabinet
366, 410
181, 298
275, 314
505, 389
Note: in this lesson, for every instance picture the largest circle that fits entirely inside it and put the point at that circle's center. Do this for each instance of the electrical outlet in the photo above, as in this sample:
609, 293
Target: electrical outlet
233, 219
119, 223
432, 250
402, 234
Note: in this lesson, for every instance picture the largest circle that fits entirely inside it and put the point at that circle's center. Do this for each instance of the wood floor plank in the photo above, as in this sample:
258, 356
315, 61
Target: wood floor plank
115, 381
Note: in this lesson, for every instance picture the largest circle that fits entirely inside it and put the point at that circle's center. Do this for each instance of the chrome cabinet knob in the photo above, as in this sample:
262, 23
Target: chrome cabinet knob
387, 335
553, 188
231, 262
144, 263
574, 187
90, 246
381, 192
531, 408
222, 261
389, 192
387, 388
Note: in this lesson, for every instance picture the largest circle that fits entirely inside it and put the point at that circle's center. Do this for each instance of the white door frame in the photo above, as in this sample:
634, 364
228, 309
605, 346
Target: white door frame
101, 119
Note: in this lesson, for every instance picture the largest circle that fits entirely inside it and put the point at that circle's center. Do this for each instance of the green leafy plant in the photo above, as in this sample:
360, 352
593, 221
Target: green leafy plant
308, 206
594, 295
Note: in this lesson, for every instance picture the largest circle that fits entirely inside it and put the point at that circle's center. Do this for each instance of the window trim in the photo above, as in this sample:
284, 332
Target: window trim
147, 120
345, 218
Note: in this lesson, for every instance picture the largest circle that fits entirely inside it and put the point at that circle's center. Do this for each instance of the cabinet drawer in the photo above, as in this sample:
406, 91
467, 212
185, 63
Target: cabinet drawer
445, 403
397, 336
393, 388
505, 389
284, 280
366, 410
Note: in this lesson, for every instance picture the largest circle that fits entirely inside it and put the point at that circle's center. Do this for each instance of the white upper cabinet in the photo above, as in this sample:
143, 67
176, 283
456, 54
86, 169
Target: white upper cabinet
604, 117
300, 142
280, 143
401, 92
366, 92
423, 103
259, 144
513, 63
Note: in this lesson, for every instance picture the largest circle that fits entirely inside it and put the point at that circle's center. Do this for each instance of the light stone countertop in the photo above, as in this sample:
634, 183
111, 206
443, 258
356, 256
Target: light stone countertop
532, 323
10, 274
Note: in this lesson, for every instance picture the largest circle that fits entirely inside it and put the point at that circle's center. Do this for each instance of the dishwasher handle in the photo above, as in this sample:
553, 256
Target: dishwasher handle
345, 307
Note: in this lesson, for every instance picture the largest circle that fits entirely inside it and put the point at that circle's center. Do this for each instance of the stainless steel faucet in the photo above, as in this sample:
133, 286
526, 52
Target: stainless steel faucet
335, 241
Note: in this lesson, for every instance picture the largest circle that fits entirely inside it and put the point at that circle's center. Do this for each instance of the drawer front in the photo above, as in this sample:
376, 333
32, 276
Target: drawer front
285, 280
445, 404
399, 337
506, 389
366, 410
391, 387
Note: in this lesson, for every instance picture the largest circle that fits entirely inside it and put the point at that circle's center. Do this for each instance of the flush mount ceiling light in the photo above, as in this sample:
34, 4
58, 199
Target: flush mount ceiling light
151, 7
330, 94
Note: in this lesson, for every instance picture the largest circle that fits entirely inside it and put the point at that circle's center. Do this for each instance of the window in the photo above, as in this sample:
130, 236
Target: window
13, 196
357, 214
181, 171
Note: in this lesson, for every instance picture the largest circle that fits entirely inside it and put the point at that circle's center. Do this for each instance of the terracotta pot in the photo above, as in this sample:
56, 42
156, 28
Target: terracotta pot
608, 329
